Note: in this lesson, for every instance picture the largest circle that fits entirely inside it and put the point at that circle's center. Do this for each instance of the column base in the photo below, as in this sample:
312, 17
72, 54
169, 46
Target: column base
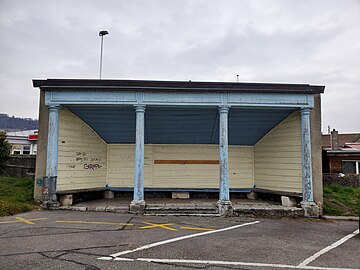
225, 208
50, 205
311, 210
137, 207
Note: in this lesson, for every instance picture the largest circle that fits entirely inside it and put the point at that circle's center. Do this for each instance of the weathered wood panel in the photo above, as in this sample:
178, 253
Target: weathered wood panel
121, 160
82, 161
186, 161
180, 166
278, 164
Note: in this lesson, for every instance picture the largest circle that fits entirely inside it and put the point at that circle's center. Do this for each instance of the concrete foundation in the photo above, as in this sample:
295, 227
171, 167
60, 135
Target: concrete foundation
195, 206
288, 201
180, 195
66, 200
252, 195
311, 210
108, 194
225, 208
137, 207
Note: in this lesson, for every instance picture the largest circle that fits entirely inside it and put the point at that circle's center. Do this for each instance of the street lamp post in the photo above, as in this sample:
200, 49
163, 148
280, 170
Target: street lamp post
102, 34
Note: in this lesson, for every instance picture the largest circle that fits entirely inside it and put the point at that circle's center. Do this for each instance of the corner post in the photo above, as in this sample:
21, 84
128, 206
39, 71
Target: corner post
50, 181
138, 203
308, 204
224, 203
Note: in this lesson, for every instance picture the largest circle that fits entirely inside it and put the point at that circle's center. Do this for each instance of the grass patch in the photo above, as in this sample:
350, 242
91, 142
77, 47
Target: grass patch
16, 195
341, 200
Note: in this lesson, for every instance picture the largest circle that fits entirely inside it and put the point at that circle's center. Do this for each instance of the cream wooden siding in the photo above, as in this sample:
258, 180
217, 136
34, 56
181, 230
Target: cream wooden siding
241, 166
121, 159
82, 155
278, 157
121, 166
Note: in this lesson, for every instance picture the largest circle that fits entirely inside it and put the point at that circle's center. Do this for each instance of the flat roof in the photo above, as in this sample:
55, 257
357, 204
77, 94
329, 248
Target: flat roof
343, 152
191, 86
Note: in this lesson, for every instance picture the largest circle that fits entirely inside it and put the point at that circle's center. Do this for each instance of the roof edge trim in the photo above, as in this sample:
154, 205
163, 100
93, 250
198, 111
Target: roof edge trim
65, 84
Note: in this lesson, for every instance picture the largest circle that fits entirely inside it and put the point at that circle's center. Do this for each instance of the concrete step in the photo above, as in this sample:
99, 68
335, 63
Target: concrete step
181, 210
269, 211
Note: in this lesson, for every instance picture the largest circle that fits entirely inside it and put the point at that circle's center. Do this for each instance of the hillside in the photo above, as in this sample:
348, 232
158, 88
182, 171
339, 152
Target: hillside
11, 122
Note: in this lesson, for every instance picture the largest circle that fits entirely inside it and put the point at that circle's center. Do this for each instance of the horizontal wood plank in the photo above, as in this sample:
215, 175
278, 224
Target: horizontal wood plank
278, 157
161, 161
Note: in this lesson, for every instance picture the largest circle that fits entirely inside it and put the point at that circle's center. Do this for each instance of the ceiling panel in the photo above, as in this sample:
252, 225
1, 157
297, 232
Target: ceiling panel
180, 125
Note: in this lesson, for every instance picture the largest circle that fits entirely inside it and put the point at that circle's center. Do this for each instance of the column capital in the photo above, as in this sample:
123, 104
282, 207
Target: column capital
54, 107
305, 111
140, 108
223, 108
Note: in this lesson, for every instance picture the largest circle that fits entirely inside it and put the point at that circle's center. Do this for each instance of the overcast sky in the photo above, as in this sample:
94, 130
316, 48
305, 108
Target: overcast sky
315, 42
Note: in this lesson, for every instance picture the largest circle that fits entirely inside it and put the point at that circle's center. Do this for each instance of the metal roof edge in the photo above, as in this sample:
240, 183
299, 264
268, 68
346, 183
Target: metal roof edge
343, 151
59, 84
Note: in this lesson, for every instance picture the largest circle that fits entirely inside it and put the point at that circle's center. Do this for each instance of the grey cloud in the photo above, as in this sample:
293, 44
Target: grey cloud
269, 41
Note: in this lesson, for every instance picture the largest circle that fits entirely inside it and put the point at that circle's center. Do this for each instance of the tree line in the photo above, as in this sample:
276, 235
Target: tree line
11, 122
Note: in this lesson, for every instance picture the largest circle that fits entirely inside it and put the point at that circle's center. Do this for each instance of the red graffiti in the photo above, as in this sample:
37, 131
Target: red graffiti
45, 190
92, 166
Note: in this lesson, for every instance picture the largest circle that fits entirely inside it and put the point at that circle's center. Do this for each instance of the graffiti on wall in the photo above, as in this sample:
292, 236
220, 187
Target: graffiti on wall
92, 166
85, 162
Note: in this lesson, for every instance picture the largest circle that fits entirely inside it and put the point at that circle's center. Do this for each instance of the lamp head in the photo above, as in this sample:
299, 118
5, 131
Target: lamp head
103, 33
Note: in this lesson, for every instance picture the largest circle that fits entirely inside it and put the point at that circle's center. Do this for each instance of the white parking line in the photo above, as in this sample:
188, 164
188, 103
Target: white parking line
175, 240
328, 248
304, 265
124, 259
238, 264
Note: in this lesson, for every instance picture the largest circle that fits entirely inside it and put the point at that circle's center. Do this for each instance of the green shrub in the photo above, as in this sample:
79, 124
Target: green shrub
10, 208
16, 195
341, 200
5, 148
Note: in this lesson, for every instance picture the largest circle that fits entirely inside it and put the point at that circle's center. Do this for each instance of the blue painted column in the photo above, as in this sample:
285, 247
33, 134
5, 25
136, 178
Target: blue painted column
52, 153
224, 160
306, 156
139, 156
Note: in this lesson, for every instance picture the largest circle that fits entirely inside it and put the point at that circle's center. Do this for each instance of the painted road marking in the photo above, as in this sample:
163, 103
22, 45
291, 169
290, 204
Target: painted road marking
93, 222
150, 225
175, 240
124, 259
23, 220
328, 248
196, 229
155, 225
235, 264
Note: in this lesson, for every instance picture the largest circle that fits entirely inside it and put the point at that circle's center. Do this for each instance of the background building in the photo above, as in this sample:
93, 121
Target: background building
341, 153
23, 142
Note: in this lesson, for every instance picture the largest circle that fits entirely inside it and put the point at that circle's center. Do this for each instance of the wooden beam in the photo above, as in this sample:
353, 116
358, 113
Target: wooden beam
160, 161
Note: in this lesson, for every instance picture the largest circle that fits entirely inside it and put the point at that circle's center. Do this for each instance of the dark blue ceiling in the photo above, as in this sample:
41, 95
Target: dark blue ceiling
180, 125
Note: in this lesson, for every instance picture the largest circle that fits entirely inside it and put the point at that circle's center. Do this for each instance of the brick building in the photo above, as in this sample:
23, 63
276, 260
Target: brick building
341, 153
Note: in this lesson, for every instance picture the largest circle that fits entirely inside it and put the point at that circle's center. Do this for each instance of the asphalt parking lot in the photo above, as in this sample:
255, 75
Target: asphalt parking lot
94, 240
